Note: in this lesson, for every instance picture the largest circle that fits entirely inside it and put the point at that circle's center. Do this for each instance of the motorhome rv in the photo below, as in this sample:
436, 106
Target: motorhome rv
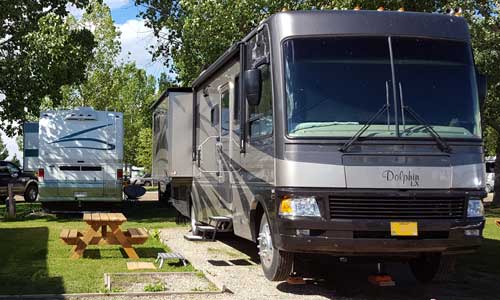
348, 133
80, 156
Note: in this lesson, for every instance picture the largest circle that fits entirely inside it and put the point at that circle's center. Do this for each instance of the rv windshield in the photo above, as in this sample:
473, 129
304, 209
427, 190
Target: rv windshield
334, 85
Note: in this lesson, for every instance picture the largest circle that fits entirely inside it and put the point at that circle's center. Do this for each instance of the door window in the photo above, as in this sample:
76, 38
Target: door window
224, 100
261, 116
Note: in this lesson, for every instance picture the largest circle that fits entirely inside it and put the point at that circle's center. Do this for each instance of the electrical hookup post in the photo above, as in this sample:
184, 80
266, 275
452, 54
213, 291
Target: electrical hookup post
10, 209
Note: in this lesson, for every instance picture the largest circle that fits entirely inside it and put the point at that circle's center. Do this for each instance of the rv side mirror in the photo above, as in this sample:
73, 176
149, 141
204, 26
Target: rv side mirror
253, 86
482, 87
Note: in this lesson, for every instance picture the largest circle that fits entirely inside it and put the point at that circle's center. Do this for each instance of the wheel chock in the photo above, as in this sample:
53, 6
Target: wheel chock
294, 280
381, 280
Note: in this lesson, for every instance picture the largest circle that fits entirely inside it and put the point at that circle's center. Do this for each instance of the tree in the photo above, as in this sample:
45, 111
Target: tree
4, 153
144, 155
39, 53
16, 161
194, 33
165, 82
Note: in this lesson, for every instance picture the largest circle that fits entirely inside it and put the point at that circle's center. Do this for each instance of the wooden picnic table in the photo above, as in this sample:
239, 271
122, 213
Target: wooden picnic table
104, 229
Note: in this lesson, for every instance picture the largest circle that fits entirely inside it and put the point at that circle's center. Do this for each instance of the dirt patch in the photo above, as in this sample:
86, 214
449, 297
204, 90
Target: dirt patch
158, 282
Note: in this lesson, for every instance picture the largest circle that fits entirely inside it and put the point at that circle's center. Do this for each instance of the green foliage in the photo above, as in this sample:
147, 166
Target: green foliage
16, 161
144, 151
4, 153
39, 52
156, 287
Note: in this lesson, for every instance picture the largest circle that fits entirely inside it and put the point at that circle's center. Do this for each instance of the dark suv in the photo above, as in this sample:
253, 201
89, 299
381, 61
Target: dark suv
25, 183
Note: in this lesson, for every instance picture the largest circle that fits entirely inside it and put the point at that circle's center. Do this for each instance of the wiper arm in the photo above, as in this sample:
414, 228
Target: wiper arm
362, 130
442, 145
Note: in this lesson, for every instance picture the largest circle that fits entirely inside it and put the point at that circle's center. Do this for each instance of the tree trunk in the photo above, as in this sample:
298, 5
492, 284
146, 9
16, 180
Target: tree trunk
496, 189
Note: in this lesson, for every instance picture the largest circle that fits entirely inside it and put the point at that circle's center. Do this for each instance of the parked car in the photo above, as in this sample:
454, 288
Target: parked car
25, 182
490, 175
146, 180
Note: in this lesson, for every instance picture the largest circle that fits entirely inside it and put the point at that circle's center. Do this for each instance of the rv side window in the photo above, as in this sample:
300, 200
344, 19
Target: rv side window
224, 100
261, 116
214, 115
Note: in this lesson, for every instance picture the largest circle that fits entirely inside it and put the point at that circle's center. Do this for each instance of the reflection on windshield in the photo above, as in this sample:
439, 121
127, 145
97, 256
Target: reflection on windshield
335, 85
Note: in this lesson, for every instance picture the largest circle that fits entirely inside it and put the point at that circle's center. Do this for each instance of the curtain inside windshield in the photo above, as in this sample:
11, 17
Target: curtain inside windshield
335, 85
435, 79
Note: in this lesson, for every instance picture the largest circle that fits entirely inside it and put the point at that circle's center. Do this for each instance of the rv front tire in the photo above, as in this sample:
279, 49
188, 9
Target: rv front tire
432, 267
276, 264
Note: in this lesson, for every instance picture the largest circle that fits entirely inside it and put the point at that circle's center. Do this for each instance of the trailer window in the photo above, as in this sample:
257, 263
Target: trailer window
91, 168
261, 116
69, 168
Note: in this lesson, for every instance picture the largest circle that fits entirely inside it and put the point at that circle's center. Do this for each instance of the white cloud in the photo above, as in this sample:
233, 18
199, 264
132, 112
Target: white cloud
73, 10
113, 4
136, 39
116, 3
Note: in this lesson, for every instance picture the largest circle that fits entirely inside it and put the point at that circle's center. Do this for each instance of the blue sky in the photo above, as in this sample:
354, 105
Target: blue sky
135, 39
135, 36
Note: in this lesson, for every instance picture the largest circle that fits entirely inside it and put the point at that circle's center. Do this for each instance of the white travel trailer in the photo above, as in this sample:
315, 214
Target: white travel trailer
80, 156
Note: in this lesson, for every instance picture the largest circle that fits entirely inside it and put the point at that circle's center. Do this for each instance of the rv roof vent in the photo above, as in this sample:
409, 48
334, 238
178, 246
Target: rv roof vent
82, 113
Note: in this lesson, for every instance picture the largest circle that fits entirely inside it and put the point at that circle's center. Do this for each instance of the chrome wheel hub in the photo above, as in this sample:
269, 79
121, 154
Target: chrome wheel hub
265, 246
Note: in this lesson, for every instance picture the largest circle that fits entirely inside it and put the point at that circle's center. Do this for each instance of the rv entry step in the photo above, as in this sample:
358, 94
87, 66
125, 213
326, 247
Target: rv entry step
209, 231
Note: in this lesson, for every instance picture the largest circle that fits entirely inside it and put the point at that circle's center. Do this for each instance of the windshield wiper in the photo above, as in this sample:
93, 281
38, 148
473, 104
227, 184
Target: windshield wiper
362, 130
442, 145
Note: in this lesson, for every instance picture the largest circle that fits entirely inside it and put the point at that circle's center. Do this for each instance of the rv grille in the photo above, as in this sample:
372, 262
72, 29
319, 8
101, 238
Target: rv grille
396, 207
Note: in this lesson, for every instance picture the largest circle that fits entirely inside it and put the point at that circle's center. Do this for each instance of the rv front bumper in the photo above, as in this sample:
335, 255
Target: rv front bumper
373, 237
358, 222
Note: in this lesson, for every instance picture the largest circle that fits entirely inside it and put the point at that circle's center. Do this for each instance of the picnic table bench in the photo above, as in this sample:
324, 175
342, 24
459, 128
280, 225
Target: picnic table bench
104, 229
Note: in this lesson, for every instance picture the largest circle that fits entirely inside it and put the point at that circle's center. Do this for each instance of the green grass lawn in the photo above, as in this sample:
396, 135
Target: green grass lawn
33, 260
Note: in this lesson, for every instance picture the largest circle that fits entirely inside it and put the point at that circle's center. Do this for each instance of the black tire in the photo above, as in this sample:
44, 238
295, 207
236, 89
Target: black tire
31, 193
277, 265
432, 267
147, 183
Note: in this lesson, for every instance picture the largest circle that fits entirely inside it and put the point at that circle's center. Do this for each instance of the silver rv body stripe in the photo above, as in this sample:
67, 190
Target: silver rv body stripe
307, 174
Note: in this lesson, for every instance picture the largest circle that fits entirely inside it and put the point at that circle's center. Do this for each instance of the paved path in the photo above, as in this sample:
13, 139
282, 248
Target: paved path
237, 269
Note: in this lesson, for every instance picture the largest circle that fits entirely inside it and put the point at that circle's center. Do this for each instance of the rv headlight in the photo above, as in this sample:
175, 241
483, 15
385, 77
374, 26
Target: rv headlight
475, 208
299, 207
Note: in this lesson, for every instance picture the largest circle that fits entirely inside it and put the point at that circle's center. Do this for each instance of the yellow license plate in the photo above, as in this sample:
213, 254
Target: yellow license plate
404, 229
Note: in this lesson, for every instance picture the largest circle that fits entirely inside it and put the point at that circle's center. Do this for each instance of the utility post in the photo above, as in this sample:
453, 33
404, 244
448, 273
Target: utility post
11, 203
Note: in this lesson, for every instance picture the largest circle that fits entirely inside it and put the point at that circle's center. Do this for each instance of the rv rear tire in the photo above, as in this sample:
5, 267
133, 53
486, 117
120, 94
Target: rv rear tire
276, 264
